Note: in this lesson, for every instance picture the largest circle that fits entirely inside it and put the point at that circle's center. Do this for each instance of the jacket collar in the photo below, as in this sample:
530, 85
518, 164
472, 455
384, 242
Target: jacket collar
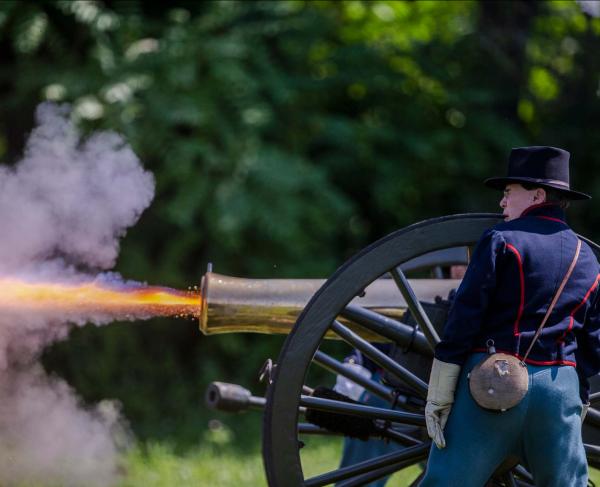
550, 211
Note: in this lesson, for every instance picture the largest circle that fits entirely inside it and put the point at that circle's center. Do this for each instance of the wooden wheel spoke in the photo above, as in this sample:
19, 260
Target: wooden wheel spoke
380, 358
373, 475
593, 417
592, 452
595, 399
400, 437
415, 307
396, 331
329, 363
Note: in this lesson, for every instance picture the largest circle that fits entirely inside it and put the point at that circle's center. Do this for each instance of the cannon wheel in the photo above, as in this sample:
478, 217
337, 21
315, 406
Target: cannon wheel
281, 441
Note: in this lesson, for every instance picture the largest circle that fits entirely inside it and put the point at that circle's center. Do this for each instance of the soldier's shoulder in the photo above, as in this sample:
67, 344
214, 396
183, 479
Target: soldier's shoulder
493, 236
504, 227
589, 250
525, 224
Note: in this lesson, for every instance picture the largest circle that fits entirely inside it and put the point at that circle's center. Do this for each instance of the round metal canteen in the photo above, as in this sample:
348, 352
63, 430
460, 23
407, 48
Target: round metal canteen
499, 382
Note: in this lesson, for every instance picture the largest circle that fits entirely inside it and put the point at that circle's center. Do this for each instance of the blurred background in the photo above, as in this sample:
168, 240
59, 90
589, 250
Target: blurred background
285, 136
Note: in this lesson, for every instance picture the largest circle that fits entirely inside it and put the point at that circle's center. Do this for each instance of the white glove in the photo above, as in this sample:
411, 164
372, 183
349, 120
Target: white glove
440, 396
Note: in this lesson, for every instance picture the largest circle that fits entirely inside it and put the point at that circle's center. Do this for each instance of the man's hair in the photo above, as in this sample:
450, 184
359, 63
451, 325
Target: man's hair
552, 195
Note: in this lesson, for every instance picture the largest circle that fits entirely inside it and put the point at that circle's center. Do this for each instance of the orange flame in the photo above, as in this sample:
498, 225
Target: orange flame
94, 298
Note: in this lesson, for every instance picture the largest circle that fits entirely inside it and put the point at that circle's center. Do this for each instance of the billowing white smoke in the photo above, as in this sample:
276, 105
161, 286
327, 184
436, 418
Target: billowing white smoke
68, 197
62, 207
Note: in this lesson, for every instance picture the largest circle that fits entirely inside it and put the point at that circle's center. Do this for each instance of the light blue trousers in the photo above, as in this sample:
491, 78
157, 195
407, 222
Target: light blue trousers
543, 430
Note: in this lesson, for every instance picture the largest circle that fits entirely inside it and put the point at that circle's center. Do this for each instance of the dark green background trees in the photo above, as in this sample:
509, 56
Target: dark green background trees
284, 136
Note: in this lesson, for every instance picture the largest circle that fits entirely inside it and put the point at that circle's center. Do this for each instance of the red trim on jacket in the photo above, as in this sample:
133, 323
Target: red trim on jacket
533, 207
551, 219
531, 361
577, 308
514, 250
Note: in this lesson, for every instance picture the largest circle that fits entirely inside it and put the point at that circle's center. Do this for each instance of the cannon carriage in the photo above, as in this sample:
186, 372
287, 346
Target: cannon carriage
368, 305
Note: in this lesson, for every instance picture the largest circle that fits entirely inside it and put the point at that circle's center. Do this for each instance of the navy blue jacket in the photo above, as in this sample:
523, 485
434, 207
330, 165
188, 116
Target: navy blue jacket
514, 273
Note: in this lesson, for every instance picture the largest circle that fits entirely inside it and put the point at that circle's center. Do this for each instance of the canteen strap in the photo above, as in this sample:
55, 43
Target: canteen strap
555, 299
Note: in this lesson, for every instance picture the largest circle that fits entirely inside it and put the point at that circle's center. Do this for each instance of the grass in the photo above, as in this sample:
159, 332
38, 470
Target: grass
157, 465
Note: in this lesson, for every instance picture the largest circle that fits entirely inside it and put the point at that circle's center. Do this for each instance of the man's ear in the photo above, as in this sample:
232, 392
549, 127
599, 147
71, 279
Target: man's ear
540, 195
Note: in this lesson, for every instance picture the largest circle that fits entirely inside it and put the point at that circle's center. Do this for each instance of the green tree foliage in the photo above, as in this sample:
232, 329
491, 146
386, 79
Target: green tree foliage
284, 136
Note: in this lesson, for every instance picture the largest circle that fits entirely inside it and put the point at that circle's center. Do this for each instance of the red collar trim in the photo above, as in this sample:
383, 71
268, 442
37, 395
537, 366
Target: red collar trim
535, 207
550, 218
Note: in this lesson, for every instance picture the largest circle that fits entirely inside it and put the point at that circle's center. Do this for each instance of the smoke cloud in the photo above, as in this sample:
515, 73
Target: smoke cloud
63, 208
69, 198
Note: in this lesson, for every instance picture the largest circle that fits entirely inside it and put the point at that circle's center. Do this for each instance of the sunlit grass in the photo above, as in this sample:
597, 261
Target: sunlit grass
157, 465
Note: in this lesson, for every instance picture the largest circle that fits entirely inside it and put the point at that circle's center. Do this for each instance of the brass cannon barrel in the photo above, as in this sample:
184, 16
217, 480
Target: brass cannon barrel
232, 304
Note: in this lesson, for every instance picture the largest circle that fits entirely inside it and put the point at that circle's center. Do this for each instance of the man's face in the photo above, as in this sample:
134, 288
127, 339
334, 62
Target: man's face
517, 199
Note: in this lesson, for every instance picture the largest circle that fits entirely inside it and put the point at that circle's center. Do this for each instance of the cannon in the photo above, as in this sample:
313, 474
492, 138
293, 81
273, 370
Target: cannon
371, 306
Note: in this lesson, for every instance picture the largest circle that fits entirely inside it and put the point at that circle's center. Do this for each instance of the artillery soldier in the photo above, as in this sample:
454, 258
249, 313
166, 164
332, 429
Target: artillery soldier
530, 292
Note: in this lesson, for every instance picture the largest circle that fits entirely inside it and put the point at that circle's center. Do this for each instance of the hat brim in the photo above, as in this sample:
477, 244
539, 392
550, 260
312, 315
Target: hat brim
500, 183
